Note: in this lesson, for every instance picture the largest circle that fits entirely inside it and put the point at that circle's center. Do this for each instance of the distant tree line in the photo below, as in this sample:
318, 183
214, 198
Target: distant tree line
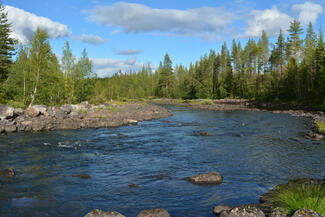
291, 70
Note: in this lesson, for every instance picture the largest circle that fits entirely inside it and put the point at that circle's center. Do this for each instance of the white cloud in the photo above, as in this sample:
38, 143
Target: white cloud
107, 67
307, 12
128, 52
136, 18
92, 39
24, 24
115, 32
269, 20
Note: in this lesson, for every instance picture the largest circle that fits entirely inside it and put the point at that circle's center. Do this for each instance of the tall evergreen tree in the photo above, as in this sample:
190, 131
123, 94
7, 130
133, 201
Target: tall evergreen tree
7, 44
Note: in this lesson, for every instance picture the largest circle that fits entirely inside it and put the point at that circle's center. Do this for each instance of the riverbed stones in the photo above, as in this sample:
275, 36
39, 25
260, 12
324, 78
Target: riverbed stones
243, 211
212, 178
100, 213
218, 209
306, 213
158, 212
8, 173
10, 128
204, 133
6, 112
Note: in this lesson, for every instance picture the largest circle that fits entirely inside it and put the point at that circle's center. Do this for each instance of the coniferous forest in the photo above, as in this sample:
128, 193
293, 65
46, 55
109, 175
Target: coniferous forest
292, 70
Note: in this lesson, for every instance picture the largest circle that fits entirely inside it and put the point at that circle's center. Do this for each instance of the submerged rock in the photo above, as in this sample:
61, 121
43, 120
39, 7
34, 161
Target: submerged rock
133, 185
243, 211
82, 176
9, 172
204, 133
158, 212
100, 213
213, 178
306, 213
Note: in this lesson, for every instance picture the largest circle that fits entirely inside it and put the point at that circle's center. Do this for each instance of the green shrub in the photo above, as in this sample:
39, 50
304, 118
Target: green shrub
289, 198
320, 126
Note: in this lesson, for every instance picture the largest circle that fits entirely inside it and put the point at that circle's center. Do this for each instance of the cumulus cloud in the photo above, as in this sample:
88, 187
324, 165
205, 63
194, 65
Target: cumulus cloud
136, 18
128, 52
24, 24
107, 67
307, 12
269, 20
92, 39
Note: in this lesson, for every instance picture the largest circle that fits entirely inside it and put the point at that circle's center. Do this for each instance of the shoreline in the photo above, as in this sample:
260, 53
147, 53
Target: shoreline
77, 116
313, 115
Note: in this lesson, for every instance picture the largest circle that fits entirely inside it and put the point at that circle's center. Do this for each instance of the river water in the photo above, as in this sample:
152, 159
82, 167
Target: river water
254, 151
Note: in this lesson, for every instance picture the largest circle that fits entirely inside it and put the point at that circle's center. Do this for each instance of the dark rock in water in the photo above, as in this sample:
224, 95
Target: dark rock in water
6, 112
213, 178
100, 213
218, 209
204, 133
9, 172
159, 212
133, 185
306, 213
82, 176
295, 139
243, 211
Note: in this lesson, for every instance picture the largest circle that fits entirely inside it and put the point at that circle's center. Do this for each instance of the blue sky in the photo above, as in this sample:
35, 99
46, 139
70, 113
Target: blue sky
127, 34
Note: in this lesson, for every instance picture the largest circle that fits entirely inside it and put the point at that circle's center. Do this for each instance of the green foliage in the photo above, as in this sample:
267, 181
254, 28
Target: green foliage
289, 198
320, 126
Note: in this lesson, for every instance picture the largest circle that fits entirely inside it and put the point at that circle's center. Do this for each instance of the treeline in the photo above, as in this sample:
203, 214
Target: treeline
291, 70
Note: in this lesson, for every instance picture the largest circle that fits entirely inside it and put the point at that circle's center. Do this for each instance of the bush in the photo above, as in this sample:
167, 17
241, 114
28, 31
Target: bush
289, 198
320, 126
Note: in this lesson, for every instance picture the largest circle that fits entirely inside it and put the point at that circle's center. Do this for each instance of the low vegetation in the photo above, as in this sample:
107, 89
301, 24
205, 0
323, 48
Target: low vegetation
320, 126
289, 198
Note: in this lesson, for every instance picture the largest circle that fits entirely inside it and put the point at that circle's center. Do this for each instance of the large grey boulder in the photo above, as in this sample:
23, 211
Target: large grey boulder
218, 209
306, 213
213, 178
158, 212
100, 213
36, 110
6, 112
243, 211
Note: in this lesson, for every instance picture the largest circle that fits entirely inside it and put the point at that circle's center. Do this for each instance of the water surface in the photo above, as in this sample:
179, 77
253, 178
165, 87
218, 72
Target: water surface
252, 150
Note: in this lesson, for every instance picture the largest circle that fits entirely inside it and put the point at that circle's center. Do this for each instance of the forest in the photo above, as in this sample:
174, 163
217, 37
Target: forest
292, 70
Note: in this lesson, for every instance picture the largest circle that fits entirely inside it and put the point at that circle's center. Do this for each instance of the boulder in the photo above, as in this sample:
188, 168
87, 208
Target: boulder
213, 178
243, 211
306, 213
67, 108
6, 112
100, 213
277, 213
131, 121
218, 209
18, 111
9, 172
158, 212
10, 128
36, 110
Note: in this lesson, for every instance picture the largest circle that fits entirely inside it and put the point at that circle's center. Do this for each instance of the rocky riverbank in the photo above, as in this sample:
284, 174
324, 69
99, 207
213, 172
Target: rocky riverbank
83, 115
312, 114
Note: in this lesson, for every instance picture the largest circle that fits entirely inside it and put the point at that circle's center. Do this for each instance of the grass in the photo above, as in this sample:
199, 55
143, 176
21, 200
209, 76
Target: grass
320, 126
289, 198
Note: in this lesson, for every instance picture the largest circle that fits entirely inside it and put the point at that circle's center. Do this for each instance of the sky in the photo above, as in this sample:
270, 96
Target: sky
125, 35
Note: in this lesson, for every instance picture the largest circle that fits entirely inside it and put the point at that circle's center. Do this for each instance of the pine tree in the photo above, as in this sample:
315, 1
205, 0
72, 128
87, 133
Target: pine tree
295, 43
7, 44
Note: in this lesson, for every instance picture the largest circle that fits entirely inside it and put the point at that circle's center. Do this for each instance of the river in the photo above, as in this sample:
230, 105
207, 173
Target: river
254, 151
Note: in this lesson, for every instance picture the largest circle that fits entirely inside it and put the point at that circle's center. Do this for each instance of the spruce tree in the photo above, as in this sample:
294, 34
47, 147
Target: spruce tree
7, 44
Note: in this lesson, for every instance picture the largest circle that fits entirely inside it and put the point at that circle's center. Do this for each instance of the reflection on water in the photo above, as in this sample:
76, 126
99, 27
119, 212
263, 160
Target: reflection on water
254, 151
